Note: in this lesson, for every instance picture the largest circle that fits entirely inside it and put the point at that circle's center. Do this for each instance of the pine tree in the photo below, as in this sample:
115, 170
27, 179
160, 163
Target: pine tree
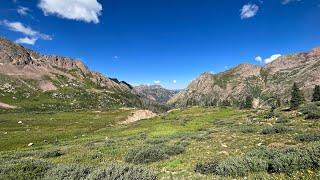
296, 97
316, 94
247, 103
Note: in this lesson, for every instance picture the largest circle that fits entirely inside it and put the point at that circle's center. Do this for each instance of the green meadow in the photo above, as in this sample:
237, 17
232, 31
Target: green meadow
191, 143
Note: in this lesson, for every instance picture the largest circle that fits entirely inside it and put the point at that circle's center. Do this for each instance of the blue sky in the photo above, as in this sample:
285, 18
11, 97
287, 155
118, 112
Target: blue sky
169, 42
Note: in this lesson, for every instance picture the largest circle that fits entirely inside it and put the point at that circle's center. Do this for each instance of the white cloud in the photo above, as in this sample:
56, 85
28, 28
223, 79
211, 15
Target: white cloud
284, 2
19, 27
23, 10
272, 58
174, 81
31, 35
258, 58
26, 40
81, 10
249, 10
157, 82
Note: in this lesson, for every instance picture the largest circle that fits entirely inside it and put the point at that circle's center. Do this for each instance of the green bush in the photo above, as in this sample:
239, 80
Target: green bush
275, 130
157, 140
269, 114
116, 171
207, 168
111, 172
289, 161
240, 166
308, 137
265, 160
24, 169
66, 172
282, 120
155, 153
51, 154
247, 129
311, 111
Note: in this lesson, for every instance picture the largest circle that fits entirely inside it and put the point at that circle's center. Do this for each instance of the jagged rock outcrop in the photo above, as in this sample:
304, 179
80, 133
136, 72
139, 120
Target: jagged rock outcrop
264, 84
17, 61
155, 93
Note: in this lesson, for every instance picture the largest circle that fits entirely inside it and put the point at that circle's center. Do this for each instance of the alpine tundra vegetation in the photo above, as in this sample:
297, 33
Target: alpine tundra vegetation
67, 117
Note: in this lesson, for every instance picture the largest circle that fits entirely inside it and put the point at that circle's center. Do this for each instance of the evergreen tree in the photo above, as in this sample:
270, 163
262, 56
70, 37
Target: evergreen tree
316, 94
225, 103
247, 103
296, 97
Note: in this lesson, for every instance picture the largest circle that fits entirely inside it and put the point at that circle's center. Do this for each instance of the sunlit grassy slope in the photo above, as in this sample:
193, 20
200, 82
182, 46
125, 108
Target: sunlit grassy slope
96, 138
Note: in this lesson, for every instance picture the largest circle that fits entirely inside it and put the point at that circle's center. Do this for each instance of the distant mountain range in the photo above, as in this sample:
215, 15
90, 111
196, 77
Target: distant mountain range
32, 81
264, 83
156, 93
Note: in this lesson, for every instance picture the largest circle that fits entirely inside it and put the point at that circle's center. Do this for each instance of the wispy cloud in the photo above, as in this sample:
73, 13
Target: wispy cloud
23, 10
248, 11
26, 40
272, 58
284, 2
157, 82
115, 57
174, 81
31, 35
80, 10
258, 58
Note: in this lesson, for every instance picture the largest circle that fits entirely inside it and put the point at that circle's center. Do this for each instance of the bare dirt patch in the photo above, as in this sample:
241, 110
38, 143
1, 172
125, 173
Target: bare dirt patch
6, 106
47, 86
139, 115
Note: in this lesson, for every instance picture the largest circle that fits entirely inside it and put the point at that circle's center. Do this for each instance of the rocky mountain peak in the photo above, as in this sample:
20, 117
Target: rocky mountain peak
155, 93
262, 83
314, 52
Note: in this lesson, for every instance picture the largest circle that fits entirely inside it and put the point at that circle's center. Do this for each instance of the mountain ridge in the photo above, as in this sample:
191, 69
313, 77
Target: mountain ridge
58, 82
271, 81
155, 93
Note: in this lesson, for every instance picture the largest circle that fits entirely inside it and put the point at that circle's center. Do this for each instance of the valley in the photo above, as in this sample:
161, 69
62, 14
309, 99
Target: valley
95, 139
59, 120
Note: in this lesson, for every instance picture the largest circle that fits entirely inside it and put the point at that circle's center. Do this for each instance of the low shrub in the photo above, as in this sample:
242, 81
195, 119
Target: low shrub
38, 169
275, 130
155, 153
52, 154
268, 115
65, 172
174, 149
311, 111
24, 169
265, 160
116, 171
207, 168
240, 166
308, 137
157, 140
247, 129
282, 120
111, 172
146, 154
183, 143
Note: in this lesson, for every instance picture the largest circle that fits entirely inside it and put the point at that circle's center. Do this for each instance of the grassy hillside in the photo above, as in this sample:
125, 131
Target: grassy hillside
172, 145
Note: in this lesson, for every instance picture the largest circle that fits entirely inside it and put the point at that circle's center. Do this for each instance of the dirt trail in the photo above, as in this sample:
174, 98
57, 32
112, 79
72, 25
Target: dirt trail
6, 106
139, 115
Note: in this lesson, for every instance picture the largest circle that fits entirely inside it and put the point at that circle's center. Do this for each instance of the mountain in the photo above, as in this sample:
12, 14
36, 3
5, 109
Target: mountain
264, 83
156, 93
30, 80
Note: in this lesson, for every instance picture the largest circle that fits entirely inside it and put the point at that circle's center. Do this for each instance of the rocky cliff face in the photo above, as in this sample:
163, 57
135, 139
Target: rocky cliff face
32, 80
155, 93
17, 61
272, 81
